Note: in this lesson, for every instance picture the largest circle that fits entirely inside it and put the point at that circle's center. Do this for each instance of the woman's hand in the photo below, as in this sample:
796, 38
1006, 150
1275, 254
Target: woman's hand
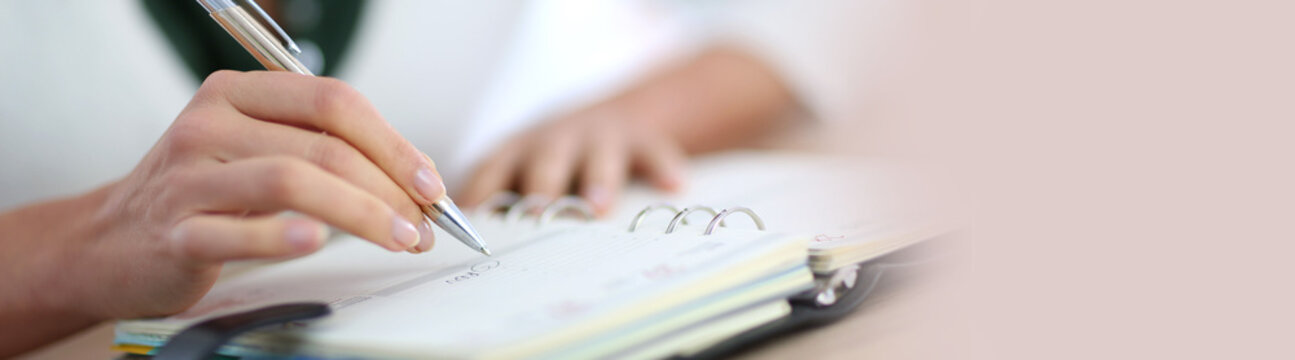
722, 98
595, 149
248, 146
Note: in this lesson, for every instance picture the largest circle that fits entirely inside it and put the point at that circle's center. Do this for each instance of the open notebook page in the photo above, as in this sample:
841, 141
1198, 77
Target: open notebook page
540, 292
852, 210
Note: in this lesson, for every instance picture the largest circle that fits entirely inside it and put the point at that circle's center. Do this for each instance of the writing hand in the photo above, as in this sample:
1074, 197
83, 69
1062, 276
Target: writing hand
249, 146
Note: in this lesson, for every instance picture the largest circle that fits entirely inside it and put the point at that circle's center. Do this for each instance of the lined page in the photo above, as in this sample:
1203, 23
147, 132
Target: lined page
539, 283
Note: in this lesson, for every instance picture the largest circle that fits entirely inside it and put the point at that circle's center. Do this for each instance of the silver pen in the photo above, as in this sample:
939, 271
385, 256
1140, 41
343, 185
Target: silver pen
276, 51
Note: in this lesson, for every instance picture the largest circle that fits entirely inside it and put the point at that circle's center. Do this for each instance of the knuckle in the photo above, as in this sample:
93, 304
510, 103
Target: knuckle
218, 79
409, 154
395, 198
191, 132
187, 249
545, 178
178, 181
543, 188
375, 215
539, 185
336, 97
331, 153
283, 179
411, 211
171, 189
499, 163
183, 242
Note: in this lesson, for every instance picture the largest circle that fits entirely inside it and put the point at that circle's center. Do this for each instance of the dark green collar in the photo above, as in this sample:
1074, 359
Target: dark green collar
205, 47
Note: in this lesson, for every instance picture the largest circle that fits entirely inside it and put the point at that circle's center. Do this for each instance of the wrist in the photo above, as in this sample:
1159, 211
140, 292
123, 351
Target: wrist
44, 272
650, 109
76, 255
70, 243
719, 99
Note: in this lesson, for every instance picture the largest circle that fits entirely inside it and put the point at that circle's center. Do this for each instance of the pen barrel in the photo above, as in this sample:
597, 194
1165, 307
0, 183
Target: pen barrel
258, 40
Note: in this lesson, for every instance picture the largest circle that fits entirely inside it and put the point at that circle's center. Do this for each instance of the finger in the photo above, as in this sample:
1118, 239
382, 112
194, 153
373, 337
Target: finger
272, 184
605, 170
494, 175
662, 162
332, 106
251, 138
427, 238
549, 169
220, 238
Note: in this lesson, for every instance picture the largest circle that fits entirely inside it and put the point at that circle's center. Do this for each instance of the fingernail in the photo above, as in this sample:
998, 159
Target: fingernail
597, 196
403, 233
426, 237
675, 179
303, 236
428, 185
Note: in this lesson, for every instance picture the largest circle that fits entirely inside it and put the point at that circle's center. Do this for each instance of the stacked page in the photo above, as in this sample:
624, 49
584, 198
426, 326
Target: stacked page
559, 291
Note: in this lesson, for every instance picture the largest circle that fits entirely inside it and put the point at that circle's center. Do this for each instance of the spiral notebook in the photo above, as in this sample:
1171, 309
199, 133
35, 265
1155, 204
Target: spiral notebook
661, 281
850, 210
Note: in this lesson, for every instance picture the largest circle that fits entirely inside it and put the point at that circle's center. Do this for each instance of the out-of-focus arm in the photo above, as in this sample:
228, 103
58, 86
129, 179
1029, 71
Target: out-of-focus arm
828, 52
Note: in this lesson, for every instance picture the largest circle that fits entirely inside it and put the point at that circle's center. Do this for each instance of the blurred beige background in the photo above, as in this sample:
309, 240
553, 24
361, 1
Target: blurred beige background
1125, 167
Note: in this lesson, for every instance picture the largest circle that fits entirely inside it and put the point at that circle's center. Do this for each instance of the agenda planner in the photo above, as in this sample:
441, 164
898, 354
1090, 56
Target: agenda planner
656, 279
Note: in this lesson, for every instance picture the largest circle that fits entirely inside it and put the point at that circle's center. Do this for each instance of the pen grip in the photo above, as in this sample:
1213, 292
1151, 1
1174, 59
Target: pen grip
258, 40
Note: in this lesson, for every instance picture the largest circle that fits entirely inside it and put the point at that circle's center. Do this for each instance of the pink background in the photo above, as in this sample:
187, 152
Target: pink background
1126, 168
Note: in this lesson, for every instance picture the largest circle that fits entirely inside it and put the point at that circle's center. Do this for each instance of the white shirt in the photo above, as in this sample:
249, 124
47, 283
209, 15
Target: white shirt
87, 87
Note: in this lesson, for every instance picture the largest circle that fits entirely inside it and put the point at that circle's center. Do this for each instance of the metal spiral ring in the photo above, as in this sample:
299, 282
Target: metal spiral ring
719, 219
679, 218
521, 207
638, 219
564, 204
498, 203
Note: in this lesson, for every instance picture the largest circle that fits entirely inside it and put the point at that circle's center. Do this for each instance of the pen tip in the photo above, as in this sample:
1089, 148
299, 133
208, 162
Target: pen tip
448, 216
